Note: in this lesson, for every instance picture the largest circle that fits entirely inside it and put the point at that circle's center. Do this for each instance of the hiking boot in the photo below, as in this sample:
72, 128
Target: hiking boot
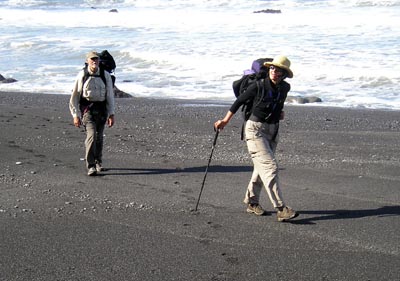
255, 209
286, 213
99, 167
92, 171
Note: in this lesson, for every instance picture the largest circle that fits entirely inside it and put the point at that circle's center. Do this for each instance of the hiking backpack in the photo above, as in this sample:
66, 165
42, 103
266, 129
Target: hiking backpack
107, 62
254, 75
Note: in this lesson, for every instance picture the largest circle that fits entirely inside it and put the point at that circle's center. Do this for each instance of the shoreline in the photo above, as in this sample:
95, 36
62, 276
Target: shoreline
338, 169
220, 103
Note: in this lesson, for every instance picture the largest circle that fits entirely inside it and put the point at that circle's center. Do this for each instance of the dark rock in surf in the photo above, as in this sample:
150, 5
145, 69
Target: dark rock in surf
7, 80
268, 11
302, 100
120, 94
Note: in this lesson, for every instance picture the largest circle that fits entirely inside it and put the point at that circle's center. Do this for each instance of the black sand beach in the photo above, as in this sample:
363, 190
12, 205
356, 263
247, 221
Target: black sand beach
339, 169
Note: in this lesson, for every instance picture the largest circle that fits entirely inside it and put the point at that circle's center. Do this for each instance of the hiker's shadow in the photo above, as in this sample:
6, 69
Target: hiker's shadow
346, 214
156, 171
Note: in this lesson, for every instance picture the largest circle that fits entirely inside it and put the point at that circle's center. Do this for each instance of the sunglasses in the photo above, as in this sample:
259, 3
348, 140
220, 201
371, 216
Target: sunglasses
276, 69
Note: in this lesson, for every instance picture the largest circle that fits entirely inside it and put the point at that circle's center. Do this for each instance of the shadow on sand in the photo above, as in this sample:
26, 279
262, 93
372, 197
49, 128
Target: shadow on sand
151, 171
346, 214
318, 215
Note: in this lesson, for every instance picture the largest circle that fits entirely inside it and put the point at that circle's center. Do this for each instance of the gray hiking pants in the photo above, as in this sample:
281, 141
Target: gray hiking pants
262, 139
94, 124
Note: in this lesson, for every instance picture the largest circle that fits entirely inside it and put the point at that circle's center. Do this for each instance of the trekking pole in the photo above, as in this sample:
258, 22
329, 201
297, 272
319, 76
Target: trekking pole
208, 165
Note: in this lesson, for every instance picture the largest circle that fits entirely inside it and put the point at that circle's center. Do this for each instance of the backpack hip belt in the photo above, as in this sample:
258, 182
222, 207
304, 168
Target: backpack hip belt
262, 120
96, 106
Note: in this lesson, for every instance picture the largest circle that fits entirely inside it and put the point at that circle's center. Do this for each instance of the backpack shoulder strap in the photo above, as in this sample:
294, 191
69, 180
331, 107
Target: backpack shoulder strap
260, 92
103, 76
285, 88
252, 103
85, 75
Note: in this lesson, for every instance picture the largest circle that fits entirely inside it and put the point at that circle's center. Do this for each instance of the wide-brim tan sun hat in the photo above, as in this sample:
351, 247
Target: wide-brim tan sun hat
281, 62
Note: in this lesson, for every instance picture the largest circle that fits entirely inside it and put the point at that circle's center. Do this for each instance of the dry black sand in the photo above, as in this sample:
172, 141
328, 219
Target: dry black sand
339, 169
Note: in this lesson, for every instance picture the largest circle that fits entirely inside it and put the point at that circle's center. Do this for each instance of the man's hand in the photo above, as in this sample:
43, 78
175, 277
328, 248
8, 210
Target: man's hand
77, 122
110, 121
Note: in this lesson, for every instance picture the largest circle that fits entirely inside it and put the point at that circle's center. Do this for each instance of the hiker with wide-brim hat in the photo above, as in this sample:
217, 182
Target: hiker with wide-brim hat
261, 135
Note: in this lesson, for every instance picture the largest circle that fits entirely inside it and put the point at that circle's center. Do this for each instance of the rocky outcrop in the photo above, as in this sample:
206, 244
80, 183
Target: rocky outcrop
120, 94
110, 11
302, 100
117, 92
268, 11
6, 80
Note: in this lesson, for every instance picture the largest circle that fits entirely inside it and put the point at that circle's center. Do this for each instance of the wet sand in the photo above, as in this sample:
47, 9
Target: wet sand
338, 167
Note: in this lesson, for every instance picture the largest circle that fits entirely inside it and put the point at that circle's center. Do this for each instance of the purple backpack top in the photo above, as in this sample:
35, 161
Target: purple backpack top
256, 66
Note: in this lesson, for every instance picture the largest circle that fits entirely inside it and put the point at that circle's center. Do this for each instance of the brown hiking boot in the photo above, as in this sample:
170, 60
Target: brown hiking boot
255, 209
285, 214
99, 167
92, 171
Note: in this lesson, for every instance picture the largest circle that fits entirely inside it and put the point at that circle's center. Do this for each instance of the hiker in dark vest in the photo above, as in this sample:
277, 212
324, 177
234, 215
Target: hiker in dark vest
261, 135
92, 105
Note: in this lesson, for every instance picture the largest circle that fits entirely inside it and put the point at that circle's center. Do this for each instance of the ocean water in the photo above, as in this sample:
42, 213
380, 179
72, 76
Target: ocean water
343, 51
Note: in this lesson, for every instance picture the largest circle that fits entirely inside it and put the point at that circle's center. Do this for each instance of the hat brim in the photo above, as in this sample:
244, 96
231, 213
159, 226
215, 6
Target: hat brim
92, 55
289, 72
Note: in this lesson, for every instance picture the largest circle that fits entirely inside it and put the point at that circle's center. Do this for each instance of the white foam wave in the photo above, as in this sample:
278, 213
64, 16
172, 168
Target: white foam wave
252, 5
195, 49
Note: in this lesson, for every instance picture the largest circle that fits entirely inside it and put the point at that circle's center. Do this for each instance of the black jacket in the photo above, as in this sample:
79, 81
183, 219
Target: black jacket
268, 100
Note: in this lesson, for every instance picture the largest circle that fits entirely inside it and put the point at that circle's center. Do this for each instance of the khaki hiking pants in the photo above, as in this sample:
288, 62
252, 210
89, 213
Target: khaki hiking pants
94, 124
262, 139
